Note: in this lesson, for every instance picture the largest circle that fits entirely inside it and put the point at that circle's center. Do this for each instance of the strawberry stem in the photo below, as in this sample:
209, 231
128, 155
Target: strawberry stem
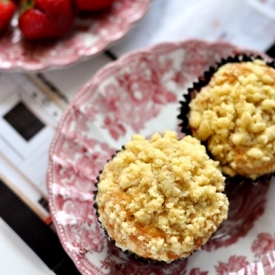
26, 5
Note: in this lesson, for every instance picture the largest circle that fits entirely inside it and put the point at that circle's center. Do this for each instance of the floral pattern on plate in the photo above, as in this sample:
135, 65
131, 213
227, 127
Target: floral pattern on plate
89, 36
139, 93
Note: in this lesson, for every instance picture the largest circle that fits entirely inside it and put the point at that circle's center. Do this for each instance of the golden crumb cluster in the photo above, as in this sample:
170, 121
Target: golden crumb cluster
235, 114
161, 198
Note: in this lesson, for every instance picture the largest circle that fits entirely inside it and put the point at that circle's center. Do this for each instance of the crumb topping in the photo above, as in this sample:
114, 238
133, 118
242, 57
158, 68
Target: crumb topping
235, 115
161, 198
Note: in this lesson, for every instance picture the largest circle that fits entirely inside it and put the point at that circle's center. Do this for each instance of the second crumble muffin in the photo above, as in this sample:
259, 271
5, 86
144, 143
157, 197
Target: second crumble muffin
235, 115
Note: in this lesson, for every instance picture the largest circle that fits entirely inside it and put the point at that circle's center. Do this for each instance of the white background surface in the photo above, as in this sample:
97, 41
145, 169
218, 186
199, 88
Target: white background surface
16, 257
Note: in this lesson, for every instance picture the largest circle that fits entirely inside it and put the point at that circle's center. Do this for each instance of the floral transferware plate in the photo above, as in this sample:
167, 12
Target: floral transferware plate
139, 93
90, 36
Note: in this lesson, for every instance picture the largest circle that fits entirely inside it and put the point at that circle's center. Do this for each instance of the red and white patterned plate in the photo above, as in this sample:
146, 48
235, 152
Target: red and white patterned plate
139, 93
90, 36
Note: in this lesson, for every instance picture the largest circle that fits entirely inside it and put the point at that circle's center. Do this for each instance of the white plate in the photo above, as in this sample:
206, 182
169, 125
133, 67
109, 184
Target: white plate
89, 36
139, 93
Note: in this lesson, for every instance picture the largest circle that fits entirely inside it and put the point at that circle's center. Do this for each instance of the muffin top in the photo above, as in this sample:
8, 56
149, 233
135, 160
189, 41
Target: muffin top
161, 198
235, 115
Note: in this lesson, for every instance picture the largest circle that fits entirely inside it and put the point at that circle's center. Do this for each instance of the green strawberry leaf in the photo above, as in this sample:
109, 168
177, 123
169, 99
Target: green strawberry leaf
26, 5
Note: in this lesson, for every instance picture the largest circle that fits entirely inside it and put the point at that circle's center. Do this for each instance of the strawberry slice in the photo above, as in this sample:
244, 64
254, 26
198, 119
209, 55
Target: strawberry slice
93, 5
7, 9
43, 19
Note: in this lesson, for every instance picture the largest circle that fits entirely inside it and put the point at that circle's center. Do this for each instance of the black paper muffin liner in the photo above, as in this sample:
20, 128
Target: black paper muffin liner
195, 89
129, 253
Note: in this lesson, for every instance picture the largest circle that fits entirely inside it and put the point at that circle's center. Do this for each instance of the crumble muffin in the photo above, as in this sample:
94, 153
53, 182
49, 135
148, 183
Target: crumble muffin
235, 115
162, 198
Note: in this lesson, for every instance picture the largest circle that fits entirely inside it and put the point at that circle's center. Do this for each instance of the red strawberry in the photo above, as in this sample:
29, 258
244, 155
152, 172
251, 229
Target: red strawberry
92, 5
7, 9
41, 19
